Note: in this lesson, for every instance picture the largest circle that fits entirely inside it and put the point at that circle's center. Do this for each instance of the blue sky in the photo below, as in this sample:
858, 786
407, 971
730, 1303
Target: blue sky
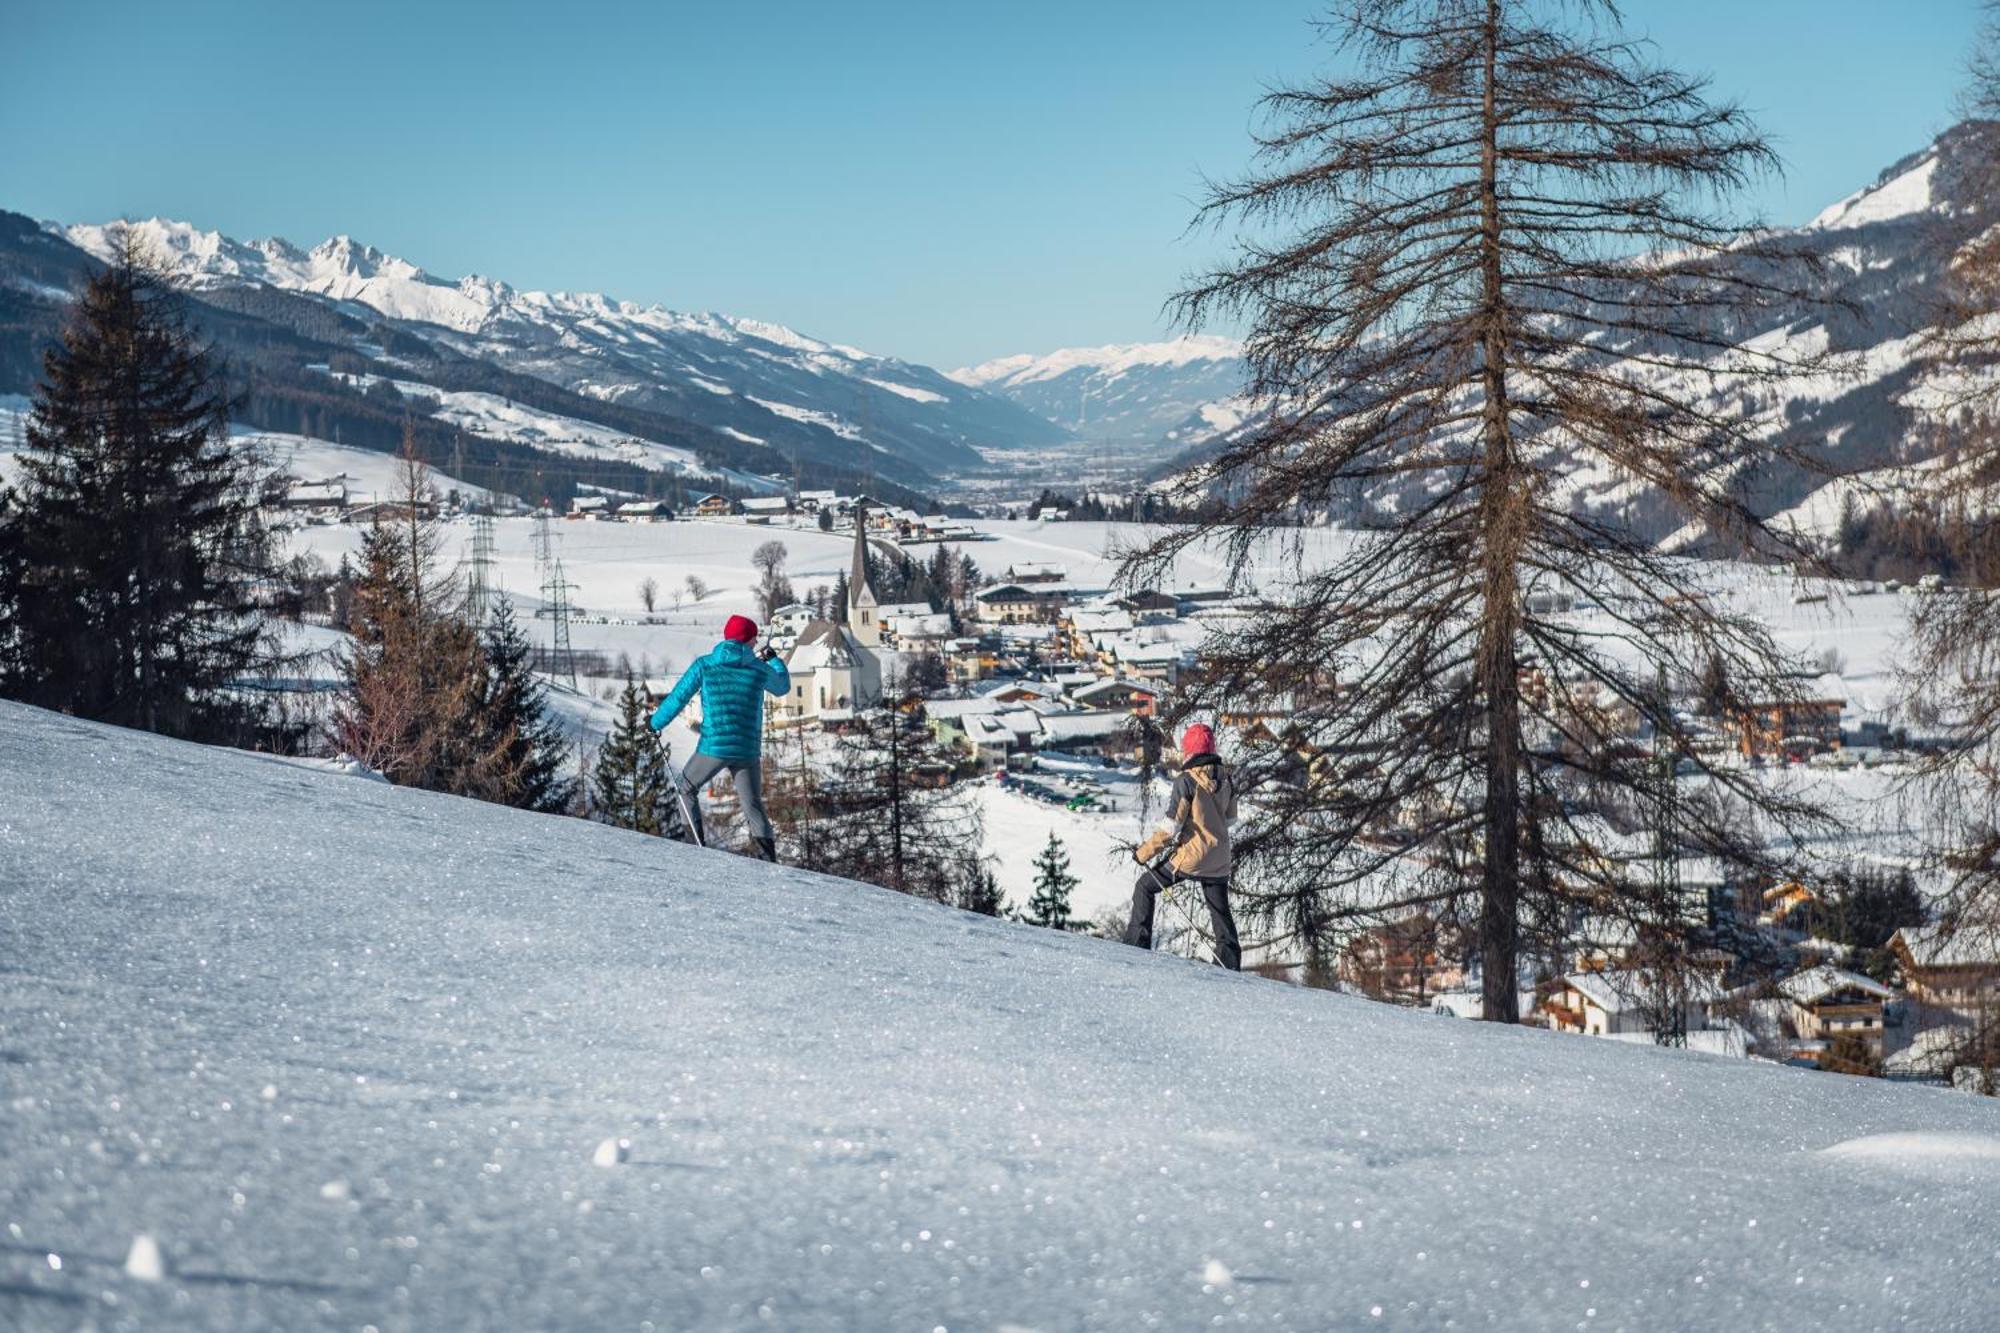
941, 181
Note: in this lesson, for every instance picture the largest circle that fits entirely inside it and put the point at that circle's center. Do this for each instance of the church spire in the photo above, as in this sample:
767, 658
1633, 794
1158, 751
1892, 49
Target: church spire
862, 619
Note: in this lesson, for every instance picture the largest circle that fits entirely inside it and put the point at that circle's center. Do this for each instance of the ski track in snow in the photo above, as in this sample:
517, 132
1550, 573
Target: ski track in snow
347, 1053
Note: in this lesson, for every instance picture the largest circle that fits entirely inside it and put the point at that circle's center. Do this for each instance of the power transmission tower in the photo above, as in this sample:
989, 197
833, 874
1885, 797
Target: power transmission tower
555, 591
479, 590
542, 542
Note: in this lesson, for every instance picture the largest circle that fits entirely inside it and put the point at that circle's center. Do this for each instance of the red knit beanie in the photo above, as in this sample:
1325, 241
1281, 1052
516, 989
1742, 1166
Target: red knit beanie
740, 629
1197, 739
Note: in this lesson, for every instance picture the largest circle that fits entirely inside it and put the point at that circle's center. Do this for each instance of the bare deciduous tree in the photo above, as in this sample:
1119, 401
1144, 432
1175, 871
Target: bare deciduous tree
649, 593
1486, 262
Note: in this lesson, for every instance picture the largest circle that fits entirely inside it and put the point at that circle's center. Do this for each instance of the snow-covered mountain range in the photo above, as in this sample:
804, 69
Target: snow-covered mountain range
755, 381
1123, 393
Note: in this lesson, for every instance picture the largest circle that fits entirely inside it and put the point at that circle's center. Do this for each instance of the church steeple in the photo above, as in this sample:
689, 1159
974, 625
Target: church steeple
863, 621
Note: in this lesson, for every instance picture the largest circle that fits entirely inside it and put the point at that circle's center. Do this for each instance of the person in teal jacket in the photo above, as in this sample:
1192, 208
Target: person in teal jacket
732, 680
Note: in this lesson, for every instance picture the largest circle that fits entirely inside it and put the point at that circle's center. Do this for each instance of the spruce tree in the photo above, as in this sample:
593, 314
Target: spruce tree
131, 554
1049, 906
979, 890
514, 724
630, 786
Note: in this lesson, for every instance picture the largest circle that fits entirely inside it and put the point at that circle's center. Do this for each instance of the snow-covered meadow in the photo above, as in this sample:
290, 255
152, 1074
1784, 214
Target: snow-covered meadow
347, 1053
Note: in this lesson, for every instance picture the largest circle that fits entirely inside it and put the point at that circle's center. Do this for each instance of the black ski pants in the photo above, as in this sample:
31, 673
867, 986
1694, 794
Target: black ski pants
1153, 881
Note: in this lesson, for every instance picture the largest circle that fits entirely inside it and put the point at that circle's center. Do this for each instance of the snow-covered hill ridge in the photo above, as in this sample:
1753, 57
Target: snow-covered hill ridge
347, 1052
760, 381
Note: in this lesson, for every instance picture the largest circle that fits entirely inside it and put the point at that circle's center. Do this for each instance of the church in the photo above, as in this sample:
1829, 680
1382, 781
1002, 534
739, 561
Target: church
836, 666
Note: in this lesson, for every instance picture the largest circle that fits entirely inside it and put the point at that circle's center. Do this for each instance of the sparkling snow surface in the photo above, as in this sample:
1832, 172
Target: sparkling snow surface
349, 1054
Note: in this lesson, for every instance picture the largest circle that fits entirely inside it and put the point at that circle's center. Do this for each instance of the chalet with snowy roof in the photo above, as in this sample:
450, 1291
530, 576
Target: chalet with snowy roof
1831, 1002
1616, 1003
589, 506
836, 666
1795, 728
330, 494
1131, 696
1036, 572
1957, 970
1018, 603
714, 506
1151, 603
791, 619
1160, 662
645, 511
812, 502
766, 506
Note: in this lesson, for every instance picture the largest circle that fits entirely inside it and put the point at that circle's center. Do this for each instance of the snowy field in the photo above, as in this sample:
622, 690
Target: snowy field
346, 1053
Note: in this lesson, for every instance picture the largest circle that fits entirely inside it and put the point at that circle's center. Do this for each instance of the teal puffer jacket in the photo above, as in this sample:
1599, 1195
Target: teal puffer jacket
733, 681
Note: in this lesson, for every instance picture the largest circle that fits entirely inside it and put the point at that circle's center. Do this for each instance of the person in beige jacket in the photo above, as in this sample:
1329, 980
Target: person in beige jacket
1193, 844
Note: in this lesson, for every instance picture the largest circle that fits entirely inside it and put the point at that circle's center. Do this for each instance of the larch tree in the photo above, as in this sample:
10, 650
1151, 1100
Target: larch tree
1485, 265
1952, 657
132, 556
413, 679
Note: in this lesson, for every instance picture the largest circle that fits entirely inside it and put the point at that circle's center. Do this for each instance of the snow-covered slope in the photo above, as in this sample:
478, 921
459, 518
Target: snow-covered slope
1127, 393
761, 382
346, 1053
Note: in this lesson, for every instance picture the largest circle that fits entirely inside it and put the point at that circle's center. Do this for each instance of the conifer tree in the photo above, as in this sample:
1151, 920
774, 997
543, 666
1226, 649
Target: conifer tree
630, 786
530, 755
886, 814
413, 679
979, 890
1049, 906
131, 554
1484, 259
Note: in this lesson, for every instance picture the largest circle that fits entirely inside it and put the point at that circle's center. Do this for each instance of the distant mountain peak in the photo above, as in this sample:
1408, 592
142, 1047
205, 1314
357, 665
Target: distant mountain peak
1109, 359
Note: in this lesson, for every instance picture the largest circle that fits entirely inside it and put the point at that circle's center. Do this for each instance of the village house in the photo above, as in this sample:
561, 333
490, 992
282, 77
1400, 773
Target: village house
329, 495
791, 619
589, 506
1035, 572
1019, 603
1132, 696
1794, 728
714, 506
1614, 1003
645, 511
1405, 961
766, 507
1830, 1002
1958, 971
1151, 604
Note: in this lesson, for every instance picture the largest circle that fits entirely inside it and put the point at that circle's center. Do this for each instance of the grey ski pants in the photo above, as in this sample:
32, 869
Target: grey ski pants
749, 779
1215, 892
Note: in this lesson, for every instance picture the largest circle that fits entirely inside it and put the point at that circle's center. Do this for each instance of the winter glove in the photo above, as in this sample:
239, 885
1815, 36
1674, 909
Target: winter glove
1154, 844
768, 653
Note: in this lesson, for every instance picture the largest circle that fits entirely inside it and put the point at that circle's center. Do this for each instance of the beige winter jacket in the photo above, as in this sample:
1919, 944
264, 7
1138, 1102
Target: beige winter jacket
1203, 803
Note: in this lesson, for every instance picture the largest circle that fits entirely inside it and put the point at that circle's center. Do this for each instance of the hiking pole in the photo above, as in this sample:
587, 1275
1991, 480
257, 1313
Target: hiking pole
690, 823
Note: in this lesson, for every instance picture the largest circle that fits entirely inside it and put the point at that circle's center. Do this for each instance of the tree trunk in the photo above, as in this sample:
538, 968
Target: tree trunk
1498, 667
